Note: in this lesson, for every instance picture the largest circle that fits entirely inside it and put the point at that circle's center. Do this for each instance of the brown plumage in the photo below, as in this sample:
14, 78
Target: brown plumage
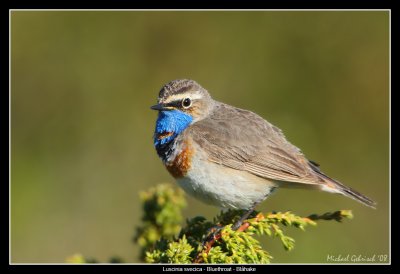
241, 140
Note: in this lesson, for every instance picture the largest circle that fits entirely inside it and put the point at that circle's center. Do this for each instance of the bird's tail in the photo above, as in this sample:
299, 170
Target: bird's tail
334, 186
351, 193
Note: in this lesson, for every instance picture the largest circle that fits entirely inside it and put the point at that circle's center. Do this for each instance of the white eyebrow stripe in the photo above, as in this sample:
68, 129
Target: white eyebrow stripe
178, 97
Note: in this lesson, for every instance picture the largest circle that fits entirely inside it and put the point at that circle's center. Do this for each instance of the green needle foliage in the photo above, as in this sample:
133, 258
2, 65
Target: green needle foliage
162, 216
193, 244
162, 239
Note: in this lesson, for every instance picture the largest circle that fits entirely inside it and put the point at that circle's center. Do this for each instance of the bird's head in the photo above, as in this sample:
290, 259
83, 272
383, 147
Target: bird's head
180, 103
185, 96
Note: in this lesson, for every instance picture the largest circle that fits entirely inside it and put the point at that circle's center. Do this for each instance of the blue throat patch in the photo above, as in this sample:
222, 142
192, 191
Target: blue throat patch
170, 121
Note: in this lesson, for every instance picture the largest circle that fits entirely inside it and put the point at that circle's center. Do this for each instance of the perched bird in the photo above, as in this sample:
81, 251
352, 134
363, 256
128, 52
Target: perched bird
230, 157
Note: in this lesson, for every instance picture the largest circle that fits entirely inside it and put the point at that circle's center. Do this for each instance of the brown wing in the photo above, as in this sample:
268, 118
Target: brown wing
242, 140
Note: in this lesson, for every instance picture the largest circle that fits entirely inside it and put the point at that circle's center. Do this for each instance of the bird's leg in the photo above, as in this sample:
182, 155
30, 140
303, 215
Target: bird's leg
215, 230
237, 225
212, 234
245, 216
215, 233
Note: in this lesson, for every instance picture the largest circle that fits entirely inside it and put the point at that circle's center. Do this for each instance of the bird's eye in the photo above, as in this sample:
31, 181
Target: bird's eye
186, 102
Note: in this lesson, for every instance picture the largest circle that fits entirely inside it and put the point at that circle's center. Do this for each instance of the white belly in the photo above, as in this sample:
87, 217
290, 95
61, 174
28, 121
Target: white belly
224, 187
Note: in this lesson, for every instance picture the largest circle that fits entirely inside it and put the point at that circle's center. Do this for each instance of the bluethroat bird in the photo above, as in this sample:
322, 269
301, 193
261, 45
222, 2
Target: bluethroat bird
227, 156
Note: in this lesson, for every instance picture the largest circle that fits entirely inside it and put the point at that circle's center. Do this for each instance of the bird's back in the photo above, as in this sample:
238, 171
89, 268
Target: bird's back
241, 139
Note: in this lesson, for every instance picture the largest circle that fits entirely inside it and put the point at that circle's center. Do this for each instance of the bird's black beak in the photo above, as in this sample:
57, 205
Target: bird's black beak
161, 107
157, 107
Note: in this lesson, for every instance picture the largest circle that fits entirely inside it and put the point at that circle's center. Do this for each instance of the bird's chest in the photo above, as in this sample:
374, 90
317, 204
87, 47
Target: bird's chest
177, 157
180, 160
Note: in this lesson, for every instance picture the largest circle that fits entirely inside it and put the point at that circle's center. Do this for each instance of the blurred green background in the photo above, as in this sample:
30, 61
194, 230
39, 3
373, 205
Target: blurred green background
81, 144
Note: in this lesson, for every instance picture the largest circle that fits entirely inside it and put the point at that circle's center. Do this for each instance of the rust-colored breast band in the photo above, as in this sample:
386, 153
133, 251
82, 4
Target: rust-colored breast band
179, 167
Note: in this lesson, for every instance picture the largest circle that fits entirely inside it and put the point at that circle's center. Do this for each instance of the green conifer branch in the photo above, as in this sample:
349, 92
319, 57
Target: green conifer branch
227, 246
162, 239
162, 216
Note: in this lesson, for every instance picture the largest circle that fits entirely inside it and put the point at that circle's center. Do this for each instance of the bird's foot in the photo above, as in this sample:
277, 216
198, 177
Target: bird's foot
213, 234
